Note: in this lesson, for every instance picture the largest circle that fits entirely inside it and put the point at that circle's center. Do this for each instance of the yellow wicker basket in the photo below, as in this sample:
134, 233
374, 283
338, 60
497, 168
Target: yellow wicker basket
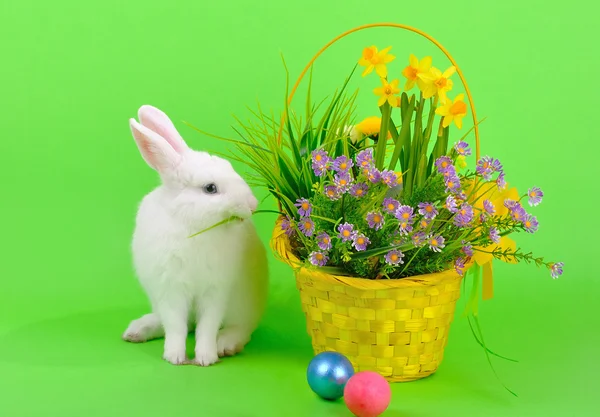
398, 328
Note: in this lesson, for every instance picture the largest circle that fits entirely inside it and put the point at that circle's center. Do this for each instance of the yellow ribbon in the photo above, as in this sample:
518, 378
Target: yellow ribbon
483, 254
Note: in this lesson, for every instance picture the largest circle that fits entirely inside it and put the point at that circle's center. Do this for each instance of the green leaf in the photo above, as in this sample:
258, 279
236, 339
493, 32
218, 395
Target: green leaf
487, 354
268, 211
472, 303
430, 119
306, 180
325, 121
287, 172
286, 202
226, 139
227, 220
480, 343
386, 111
292, 139
380, 251
404, 136
306, 142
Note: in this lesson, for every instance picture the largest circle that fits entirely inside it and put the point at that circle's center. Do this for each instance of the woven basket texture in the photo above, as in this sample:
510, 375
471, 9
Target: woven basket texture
398, 328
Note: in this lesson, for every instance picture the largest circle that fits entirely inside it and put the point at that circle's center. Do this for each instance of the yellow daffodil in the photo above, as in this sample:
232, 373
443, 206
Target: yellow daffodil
414, 69
372, 59
453, 111
437, 82
369, 126
387, 93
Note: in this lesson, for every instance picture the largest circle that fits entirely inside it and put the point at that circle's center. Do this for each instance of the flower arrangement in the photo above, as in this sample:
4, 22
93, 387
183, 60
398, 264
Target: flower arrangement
389, 197
382, 218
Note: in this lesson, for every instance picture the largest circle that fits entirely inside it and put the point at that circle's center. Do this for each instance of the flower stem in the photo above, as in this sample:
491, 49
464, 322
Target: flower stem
386, 111
411, 259
429, 127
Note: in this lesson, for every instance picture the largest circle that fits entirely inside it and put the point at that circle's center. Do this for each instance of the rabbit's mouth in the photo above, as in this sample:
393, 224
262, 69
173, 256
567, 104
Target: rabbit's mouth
237, 219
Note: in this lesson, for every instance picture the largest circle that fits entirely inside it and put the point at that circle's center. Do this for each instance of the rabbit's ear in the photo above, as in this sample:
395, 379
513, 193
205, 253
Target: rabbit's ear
159, 122
155, 150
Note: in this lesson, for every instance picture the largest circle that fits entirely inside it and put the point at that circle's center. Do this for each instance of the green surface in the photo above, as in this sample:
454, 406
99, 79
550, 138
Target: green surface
72, 73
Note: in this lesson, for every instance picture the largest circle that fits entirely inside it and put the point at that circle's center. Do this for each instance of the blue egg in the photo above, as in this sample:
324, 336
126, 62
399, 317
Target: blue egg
328, 373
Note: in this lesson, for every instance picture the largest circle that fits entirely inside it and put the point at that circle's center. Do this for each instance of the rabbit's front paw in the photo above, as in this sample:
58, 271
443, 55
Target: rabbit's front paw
176, 357
206, 357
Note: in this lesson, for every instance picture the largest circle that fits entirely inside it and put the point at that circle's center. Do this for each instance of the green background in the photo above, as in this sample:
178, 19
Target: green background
73, 72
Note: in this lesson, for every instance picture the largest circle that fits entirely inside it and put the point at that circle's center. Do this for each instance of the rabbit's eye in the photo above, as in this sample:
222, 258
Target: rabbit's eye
210, 188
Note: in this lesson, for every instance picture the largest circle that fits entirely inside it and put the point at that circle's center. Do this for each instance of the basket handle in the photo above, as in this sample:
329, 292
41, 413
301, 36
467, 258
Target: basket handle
395, 25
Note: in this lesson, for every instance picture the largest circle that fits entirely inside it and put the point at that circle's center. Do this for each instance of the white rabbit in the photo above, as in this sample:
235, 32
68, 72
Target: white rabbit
216, 281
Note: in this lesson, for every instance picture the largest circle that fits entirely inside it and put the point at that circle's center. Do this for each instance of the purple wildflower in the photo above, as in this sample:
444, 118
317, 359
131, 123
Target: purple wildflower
320, 162
319, 170
405, 228
530, 223
419, 238
452, 184
343, 181
342, 164
307, 226
375, 220
304, 207
497, 166
489, 208
462, 148
324, 241
459, 266
510, 204
486, 166
364, 158
436, 243
318, 258
518, 213
389, 178
464, 216
286, 226
360, 242
451, 204
443, 164
405, 213
556, 269
449, 172
467, 248
494, 235
373, 175
319, 157
424, 223
390, 205
501, 181
345, 232
394, 257
428, 210
332, 192
535, 196
359, 189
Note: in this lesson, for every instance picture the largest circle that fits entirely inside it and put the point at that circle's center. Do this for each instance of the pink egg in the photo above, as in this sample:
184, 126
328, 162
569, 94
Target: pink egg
367, 394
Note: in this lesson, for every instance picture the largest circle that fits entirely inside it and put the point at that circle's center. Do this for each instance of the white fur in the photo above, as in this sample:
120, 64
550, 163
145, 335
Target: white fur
216, 281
